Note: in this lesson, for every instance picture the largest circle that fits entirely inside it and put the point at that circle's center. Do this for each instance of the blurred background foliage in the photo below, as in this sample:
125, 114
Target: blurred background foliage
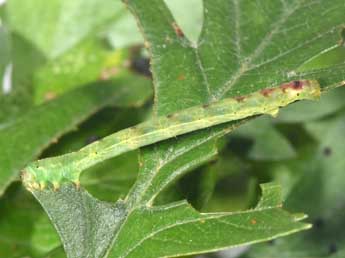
46, 55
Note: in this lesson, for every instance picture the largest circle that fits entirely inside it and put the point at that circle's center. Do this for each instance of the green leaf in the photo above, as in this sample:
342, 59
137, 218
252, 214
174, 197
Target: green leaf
244, 47
235, 188
98, 222
268, 143
56, 26
319, 193
321, 186
198, 187
319, 128
86, 62
25, 228
307, 111
124, 32
219, 66
22, 53
24, 138
333, 56
190, 22
113, 178
4, 52
56, 253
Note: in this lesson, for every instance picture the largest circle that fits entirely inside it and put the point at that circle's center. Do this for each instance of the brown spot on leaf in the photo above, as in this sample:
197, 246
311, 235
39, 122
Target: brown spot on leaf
205, 105
181, 77
253, 221
50, 95
177, 29
267, 92
295, 85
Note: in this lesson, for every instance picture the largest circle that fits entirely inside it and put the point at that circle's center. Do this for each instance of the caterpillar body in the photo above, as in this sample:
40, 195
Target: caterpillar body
54, 171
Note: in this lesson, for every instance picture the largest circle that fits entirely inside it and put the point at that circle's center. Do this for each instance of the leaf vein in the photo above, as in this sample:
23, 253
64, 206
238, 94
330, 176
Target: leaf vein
258, 51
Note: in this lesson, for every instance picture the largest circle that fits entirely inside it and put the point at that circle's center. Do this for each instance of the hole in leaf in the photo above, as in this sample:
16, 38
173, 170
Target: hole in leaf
111, 179
188, 15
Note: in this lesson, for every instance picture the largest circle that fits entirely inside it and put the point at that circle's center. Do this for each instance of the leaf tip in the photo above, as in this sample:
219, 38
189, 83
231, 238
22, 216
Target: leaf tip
300, 216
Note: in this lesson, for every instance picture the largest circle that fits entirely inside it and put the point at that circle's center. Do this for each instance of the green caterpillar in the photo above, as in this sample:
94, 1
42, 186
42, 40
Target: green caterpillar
68, 167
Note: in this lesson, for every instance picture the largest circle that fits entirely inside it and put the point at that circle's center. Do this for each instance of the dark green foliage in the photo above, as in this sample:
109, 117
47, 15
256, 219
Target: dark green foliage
75, 79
